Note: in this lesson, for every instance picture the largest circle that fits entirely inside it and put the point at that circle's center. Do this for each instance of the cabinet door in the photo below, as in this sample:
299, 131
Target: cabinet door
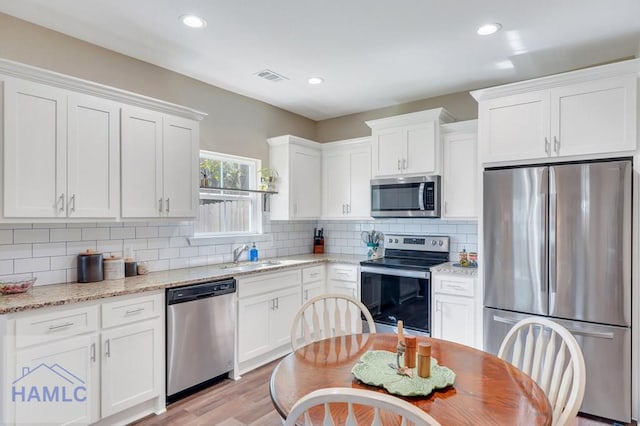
285, 306
312, 290
460, 176
595, 117
360, 179
336, 183
132, 365
93, 160
64, 376
515, 127
35, 140
253, 326
421, 155
180, 166
388, 150
141, 163
305, 183
454, 319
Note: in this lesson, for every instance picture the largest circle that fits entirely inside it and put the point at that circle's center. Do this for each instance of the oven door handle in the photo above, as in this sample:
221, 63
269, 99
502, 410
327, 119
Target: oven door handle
396, 272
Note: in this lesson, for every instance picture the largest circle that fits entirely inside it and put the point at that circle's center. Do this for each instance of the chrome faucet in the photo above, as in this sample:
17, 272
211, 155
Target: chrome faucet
238, 251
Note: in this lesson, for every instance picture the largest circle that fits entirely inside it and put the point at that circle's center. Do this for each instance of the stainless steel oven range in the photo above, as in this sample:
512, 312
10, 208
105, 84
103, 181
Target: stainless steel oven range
398, 285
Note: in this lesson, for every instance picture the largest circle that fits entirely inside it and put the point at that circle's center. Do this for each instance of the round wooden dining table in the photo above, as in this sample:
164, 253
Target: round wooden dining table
486, 391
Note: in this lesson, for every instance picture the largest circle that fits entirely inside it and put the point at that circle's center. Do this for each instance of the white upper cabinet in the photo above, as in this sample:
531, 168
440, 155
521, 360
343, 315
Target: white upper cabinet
73, 150
60, 153
298, 162
159, 165
407, 144
346, 177
460, 170
590, 112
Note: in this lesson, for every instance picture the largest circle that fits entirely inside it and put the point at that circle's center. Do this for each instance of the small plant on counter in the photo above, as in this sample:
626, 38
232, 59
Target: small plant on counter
267, 179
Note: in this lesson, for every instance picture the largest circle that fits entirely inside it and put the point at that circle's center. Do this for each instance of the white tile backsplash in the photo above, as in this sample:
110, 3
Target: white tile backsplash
50, 252
344, 237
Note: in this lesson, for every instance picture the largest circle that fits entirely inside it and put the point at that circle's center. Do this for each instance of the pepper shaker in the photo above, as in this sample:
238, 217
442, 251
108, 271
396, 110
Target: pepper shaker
424, 360
410, 351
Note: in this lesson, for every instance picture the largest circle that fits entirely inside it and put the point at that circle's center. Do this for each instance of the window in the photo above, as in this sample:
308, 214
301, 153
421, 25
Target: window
227, 205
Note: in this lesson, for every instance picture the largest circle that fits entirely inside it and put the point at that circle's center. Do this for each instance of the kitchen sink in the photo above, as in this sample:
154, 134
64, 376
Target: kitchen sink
250, 266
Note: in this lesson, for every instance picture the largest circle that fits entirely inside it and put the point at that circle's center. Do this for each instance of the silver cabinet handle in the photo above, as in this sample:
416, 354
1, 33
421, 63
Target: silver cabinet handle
348, 208
277, 303
60, 326
107, 348
343, 209
93, 352
61, 202
556, 144
134, 311
160, 205
399, 164
72, 201
437, 306
306, 295
314, 274
546, 144
404, 163
446, 207
167, 205
273, 304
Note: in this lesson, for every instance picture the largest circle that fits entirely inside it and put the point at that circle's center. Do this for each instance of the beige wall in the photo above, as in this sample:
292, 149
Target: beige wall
461, 105
236, 124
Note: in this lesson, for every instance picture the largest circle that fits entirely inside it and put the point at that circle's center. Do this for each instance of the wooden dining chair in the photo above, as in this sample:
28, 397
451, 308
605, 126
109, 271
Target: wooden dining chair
372, 405
328, 315
550, 354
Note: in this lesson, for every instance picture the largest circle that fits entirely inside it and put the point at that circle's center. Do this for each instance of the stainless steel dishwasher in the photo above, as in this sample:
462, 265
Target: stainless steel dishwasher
200, 332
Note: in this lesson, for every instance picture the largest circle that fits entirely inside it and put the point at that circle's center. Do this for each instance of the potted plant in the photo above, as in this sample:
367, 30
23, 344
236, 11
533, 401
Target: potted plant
268, 178
209, 173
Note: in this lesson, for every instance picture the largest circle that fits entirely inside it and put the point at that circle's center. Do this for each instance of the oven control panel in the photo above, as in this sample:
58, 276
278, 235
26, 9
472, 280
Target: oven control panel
416, 242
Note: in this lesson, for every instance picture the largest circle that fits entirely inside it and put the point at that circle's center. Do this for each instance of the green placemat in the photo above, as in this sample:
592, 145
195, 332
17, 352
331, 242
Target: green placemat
373, 369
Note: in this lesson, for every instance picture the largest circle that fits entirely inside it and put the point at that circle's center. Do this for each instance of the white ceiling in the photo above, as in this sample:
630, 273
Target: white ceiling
372, 53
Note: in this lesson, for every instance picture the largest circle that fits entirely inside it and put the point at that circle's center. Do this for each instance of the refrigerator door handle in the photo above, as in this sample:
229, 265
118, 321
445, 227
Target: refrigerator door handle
596, 334
553, 215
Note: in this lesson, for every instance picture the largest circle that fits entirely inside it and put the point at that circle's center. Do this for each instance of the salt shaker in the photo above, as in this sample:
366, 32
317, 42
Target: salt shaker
410, 351
424, 360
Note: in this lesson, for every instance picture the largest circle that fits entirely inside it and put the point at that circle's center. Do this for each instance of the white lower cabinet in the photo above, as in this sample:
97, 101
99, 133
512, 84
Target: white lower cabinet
456, 309
56, 383
267, 304
131, 359
96, 362
453, 319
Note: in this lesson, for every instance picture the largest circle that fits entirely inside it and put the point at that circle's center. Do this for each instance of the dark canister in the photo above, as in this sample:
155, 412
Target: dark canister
130, 268
90, 267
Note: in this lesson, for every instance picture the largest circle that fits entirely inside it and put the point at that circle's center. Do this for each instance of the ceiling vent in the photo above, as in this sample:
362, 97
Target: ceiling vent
270, 75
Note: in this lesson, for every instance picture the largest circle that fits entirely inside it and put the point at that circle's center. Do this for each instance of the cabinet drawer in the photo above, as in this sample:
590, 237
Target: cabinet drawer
449, 284
130, 310
343, 272
313, 274
40, 328
267, 283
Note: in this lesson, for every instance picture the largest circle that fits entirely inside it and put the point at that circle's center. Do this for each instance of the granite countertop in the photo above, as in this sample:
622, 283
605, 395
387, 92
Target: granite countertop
63, 294
450, 269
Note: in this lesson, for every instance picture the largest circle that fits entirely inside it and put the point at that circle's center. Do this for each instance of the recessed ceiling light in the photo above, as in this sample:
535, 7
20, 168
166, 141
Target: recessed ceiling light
489, 29
193, 21
315, 80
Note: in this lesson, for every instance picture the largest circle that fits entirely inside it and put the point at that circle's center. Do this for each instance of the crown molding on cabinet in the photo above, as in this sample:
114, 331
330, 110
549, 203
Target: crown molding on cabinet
468, 126
440, 114
286, 139
52, 78
616, 69
341, 144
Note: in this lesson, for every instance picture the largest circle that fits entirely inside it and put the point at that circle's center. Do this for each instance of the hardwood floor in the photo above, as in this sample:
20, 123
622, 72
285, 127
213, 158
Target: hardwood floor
245, 402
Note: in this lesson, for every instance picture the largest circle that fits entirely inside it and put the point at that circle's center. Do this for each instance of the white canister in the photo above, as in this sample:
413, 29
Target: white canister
113, 268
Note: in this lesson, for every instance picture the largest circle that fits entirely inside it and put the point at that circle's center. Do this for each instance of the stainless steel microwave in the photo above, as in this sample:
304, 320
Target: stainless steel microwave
406, 197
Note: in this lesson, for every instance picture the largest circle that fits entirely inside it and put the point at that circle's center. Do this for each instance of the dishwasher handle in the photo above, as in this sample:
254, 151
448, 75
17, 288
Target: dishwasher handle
200, 291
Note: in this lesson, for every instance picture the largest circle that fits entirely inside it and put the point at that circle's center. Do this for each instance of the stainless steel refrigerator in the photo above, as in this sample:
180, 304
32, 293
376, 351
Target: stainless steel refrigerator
557, 243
